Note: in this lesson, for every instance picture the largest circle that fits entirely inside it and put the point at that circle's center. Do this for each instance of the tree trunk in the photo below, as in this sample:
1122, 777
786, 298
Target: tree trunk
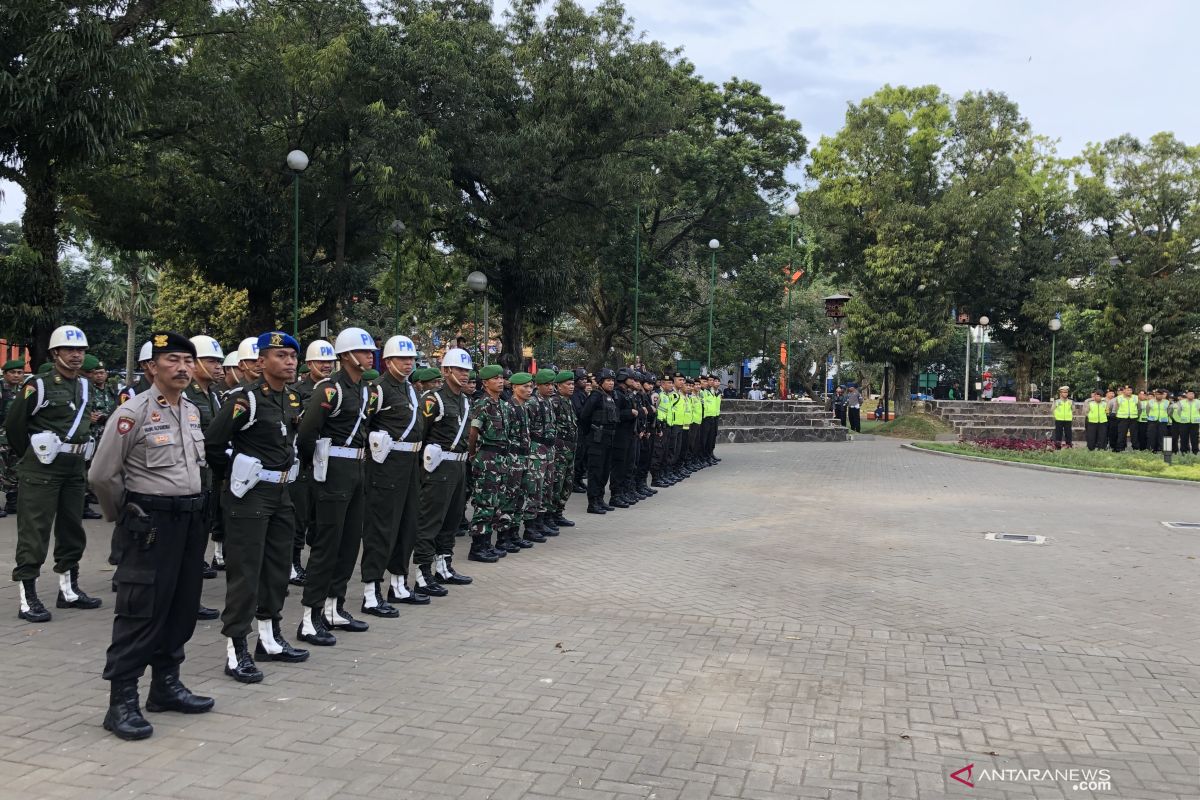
131, 330
901, 396
1024, 376
260, 311
512, 319
39, 225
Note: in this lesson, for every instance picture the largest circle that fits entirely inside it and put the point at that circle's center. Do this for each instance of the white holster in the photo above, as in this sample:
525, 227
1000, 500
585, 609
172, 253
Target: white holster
45, 446
89, 450
243, 475
321, 459
432, 457
380, 443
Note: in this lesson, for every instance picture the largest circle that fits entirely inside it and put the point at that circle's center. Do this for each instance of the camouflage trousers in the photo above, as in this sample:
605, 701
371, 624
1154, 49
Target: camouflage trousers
564, 470
515, 494
8, 474
491, 472
536, 478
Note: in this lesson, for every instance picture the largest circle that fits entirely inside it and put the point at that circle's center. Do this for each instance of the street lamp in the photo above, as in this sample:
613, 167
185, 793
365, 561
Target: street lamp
835, 310
1055, 327
477, 282
637, 270
983, 324
1147, 329
713, 244
793, 211
297, 162
397, 229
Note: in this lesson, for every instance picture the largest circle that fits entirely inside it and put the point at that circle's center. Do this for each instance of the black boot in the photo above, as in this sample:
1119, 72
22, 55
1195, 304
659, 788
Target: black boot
579, 488
10, 502
206, 570
312, 628
563, 522
167, 693
426, 585
481, 550
32, 609
548, 526
595, 507
206, 614
508, 546
404, 595
70, 595
273, 647
374, 604
615, 501
238, 663
444, 567
297, 576
533, 531
90, 513
124, 717
338, 618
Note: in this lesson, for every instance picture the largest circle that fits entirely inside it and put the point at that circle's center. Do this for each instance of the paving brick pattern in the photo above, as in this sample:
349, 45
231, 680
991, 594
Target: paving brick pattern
804, 621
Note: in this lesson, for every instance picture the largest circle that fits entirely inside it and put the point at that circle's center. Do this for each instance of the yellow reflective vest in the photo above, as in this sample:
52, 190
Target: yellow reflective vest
1097, 411
1127, 407
1063, 409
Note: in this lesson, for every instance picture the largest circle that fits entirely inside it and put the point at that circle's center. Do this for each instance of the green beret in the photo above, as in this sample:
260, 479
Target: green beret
370, 374
303, 369
45, 368
90, 362
519, 378
565, 376
15, 363
545, 376
427, 374
491, 371
471, 375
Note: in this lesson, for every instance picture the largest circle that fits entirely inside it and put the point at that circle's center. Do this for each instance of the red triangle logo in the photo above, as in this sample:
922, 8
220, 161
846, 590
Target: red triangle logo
967, 780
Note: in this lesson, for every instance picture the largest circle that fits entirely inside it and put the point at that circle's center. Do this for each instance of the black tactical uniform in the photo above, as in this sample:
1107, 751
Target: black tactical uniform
599, 418
302, 494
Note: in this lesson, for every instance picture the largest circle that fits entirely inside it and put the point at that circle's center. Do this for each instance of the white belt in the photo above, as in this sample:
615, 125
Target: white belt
346, 452
72, 448
454, 456
274, 476
406, 447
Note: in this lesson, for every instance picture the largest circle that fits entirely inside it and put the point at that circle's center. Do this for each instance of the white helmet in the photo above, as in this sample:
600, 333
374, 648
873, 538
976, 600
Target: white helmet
248, 349
457, 357
353, 339
67, 336
319, 350
146, 353
231, 360
207, 347
399, 347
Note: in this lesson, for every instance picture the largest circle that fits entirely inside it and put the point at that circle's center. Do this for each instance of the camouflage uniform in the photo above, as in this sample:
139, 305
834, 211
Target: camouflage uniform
517, 430
566, 427
491, 468
539, 473
8, 461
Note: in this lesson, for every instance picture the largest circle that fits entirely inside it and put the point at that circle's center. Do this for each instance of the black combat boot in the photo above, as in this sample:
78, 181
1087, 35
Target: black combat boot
124, 717
70, 595
444, 567
206, 614
481, 550
533, 532
615, 501
398, 592
32, 609
562, 522
373, 602
549, 528
427, 585
238, 663
167, 693
206, 570
312, 628
337, 617
297, 576
595, 507
273, 647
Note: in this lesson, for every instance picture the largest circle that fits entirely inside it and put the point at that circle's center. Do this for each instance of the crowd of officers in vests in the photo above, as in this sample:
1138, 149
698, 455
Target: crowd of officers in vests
1120, 420
267, 456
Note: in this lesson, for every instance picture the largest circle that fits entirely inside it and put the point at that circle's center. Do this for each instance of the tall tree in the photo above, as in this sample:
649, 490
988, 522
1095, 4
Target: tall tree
123, 286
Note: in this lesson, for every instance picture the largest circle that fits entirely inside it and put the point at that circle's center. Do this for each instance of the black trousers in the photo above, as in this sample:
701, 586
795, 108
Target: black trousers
855, 419
1142, 436
660, 448
1188, 436
1096, 434
1062, 432
443, 494
158, 592
302, 504
581, 448
675, 450
1112, 431
337, 531
1126, 431
622, 455
645, 456
390, 530
599, 466
258, 556
1154, 433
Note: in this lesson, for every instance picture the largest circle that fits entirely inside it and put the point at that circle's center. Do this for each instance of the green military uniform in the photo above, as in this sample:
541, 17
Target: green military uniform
491, 471
256, 422
301, 490
444, 418
208, 401
520, 447
566, 430
393, 494
337, 411
541, 460
8, 460
52, 494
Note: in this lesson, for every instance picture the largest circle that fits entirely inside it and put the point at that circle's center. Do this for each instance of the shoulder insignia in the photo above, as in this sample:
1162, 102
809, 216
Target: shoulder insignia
292, 396
330, 393
155, 417
124, 425
29, 389
429, 404
266, 390
162, 401
238, 410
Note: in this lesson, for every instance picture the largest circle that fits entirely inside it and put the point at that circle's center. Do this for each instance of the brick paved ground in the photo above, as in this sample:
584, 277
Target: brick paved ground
804, 621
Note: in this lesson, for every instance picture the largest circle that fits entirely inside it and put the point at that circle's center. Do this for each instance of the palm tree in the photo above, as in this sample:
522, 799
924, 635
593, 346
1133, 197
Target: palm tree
123, 286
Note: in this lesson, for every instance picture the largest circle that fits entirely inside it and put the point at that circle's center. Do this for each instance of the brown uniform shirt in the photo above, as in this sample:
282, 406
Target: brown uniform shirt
149, 447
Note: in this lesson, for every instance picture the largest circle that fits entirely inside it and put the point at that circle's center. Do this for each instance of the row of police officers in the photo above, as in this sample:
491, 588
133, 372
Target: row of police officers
370, 470
1120, 420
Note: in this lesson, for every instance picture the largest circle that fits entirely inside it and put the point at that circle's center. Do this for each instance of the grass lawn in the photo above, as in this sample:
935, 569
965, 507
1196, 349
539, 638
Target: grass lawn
910, 426
1186, 468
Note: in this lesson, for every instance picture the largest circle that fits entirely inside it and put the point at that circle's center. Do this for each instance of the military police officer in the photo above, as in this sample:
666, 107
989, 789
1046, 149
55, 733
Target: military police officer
147, 473
48, 428
319, 359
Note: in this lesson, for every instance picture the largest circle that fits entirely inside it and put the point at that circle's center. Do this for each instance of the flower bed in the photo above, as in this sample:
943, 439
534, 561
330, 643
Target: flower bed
1015, 444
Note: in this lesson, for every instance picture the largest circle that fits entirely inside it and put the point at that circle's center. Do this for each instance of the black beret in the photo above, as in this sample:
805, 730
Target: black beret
170, 342
606, 374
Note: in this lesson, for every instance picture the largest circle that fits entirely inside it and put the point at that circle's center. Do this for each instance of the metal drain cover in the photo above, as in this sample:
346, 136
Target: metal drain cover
1022, 538
1182, 525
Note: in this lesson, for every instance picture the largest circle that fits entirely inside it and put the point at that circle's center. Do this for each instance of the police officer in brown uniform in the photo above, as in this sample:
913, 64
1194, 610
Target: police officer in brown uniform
146, 472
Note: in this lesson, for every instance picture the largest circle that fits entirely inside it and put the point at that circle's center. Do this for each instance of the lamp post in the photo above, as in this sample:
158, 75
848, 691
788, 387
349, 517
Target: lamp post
477, 282
1055, 327
297, 161
834, 309
713, 244
793, 211
1147, 329
637, 276
983, 325
397, 229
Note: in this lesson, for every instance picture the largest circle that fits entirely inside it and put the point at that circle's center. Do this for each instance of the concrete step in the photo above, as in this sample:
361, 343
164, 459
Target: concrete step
758, 419
767, 405
739, 435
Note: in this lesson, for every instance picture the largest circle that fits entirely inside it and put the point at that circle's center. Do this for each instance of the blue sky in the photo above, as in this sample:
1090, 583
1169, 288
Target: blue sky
1081, 71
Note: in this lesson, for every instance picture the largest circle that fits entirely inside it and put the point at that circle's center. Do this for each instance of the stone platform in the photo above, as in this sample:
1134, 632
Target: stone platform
973, 419
777, 421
